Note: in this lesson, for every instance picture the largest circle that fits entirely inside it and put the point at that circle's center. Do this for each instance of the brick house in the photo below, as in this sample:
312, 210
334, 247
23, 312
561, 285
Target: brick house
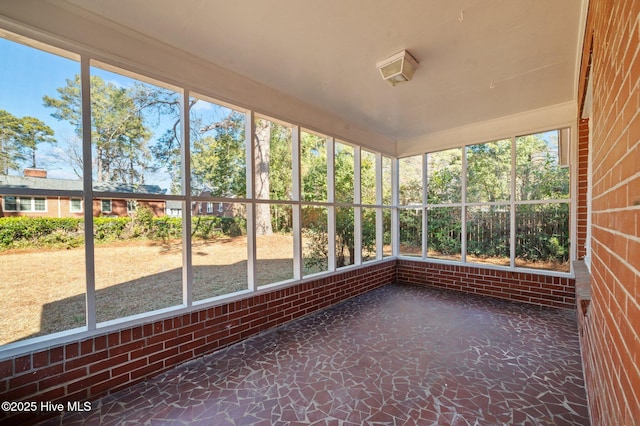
213, 208
65, 206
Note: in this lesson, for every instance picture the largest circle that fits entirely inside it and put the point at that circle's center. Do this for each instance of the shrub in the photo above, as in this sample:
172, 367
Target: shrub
166, 227
37, 231
204, 226
109, 228
233, 226
29, 232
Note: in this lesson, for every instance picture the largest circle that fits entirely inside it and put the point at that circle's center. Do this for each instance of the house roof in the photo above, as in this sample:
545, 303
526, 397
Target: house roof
53, 184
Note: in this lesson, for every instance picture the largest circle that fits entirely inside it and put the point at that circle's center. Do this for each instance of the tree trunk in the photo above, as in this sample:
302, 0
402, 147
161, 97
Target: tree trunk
262, 189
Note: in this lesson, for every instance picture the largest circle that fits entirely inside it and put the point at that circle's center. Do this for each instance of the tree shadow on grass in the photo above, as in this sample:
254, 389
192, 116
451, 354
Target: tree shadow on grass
157, 291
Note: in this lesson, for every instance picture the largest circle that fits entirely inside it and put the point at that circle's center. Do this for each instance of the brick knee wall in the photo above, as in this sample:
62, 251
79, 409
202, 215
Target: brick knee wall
526, 287
88, 369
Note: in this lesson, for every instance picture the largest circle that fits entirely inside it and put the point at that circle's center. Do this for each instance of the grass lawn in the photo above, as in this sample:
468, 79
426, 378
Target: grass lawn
43, 291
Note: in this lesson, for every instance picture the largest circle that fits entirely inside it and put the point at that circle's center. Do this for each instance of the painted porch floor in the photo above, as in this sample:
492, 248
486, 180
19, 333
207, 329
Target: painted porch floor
399, 355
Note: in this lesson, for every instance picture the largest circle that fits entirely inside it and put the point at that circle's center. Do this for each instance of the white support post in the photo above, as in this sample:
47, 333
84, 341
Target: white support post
87, 173
187, 268
425, 183
296, 207
250, 130
357, 210
463, 210
395, 217
379, 215
512, 206
331, 212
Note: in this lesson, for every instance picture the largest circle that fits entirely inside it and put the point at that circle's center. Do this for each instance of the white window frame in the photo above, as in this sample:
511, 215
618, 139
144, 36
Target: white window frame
73, 209
512, 203
102, 201
15, 203
35, 205
19, 203
86, 60
22, 201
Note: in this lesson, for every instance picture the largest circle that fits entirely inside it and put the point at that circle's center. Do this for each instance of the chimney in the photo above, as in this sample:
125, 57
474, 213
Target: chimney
37, 173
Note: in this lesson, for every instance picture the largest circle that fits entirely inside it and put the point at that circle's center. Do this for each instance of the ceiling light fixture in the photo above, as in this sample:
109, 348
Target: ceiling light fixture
398, 68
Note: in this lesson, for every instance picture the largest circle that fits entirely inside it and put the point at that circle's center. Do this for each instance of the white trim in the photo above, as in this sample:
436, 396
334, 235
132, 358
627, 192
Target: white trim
464, 177
87, 186
249, 134
71, 209
512, 203
512, 206
15, 202
582, 27
517, 269
331, 210
525, 123
296, 208
379, 211
69, 27
185, 164
357, 210
32, 204
102, 209
395, 217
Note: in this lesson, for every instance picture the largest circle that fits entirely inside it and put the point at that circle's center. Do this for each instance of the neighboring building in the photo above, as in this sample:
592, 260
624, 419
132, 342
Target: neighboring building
63, 206
173, 208
213, 208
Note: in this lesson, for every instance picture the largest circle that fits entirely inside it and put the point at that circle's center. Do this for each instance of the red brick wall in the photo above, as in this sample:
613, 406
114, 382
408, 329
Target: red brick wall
611, 328
56, 207
119, 207
581, 196
87, 369
518, 286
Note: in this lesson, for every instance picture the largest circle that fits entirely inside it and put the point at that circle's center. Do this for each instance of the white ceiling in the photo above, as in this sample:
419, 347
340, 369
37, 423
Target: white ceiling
479, 59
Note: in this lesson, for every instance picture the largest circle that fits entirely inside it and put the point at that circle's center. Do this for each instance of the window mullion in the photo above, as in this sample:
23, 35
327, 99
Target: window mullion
296, 208
250, 129
187, 267
425, 170
87, 161
395, 217
463, 210
379, 213
512, 207
357, 211
331, 212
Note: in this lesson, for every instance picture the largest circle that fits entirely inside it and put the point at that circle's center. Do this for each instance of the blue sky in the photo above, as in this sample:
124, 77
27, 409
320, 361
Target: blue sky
26, 75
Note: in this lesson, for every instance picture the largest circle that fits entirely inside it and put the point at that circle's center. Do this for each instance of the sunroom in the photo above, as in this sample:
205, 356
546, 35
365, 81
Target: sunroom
460, 247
